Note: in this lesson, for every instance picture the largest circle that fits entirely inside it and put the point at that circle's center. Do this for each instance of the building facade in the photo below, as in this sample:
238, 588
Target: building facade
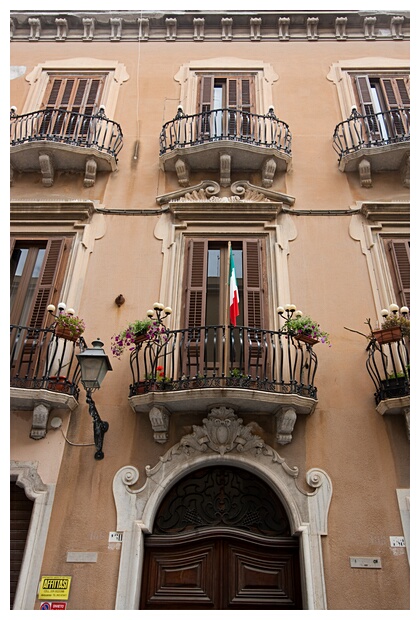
163, 166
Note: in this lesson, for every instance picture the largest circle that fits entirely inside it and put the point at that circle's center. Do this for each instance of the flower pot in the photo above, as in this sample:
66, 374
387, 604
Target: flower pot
391, 334
64, 332
138, 338
306, 338
58, 384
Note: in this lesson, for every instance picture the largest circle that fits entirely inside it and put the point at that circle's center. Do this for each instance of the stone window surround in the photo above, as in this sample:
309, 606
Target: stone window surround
173, 228
341, 74
25, 474
189, 73
374, 222
38, 79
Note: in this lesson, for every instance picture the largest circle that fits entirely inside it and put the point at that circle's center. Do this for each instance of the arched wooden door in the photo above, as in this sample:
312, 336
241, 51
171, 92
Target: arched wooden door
221, 540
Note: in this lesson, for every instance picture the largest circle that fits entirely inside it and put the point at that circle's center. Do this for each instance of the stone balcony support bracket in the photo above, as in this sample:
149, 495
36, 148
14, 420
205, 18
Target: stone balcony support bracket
159, 419
285, 421
40, 420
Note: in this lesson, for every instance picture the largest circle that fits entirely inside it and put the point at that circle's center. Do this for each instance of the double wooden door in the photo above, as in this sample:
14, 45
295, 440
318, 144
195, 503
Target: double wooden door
221, 540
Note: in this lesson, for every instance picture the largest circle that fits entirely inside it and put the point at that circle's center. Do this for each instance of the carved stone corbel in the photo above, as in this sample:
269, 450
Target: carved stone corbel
144, 26
369, 25
35, 28
171, 24
406, 412
285, 420
340, 28
255, 24
183, 172
90, 172
116, 28
405, 172
312, 28
225, 165
62, 29
226, 23
198, 23
268, 172
47, 169
365, 173
159, 419
396, 27
88, 28
284, 23
39, 421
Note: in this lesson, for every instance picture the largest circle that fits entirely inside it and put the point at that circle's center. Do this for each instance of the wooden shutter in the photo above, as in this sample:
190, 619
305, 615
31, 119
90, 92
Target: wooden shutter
206, 102
196, 283
252, 283
400, 255
396, 97
239, 97
47, 281
365, 97
20, 518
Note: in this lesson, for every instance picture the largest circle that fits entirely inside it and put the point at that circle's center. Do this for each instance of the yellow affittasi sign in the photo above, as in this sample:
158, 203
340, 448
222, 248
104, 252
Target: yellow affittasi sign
54, 588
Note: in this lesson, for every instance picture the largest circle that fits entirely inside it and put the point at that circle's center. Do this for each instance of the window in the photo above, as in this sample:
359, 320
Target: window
226, 95
36, 272
386, 103
399, 266
206, 282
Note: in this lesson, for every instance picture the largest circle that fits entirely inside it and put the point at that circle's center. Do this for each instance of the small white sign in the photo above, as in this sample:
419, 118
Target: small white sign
365, 562
115, 537
397, 541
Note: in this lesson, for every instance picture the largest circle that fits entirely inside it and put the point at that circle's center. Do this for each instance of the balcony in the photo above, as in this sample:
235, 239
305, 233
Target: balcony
251, 370
53, 140
374, 143
388, 365
44, 374
225, 140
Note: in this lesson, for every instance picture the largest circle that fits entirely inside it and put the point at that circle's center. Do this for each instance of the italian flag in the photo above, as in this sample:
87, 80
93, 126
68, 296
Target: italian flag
233, 291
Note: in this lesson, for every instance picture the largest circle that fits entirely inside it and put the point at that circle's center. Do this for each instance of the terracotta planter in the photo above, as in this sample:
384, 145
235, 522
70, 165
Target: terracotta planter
58, 384
383, 336
64, 332
307, 339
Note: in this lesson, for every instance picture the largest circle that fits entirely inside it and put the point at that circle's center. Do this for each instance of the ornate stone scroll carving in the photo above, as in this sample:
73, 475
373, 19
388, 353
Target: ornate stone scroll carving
268, 172
365, 173
90, 172
396, 27
183, 172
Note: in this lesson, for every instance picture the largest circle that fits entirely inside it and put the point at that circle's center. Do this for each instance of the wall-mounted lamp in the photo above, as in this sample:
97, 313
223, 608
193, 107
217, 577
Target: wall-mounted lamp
94, 364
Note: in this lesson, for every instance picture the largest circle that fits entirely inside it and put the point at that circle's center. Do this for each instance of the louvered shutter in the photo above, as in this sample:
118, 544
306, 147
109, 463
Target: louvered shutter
400, 254
196, 282
365, 96
396, 100
20, 519
253, 283
47, 282
206, 102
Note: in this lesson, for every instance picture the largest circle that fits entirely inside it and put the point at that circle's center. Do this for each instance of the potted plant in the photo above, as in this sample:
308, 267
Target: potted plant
130, 336
305, 329
158, 380
395, 325
69, 326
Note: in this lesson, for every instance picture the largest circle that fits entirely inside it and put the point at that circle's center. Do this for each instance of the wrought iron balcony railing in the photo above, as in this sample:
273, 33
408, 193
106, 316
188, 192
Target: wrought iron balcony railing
224, 356
230, 124
371, 130
41, 360
389, 368
64, 127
